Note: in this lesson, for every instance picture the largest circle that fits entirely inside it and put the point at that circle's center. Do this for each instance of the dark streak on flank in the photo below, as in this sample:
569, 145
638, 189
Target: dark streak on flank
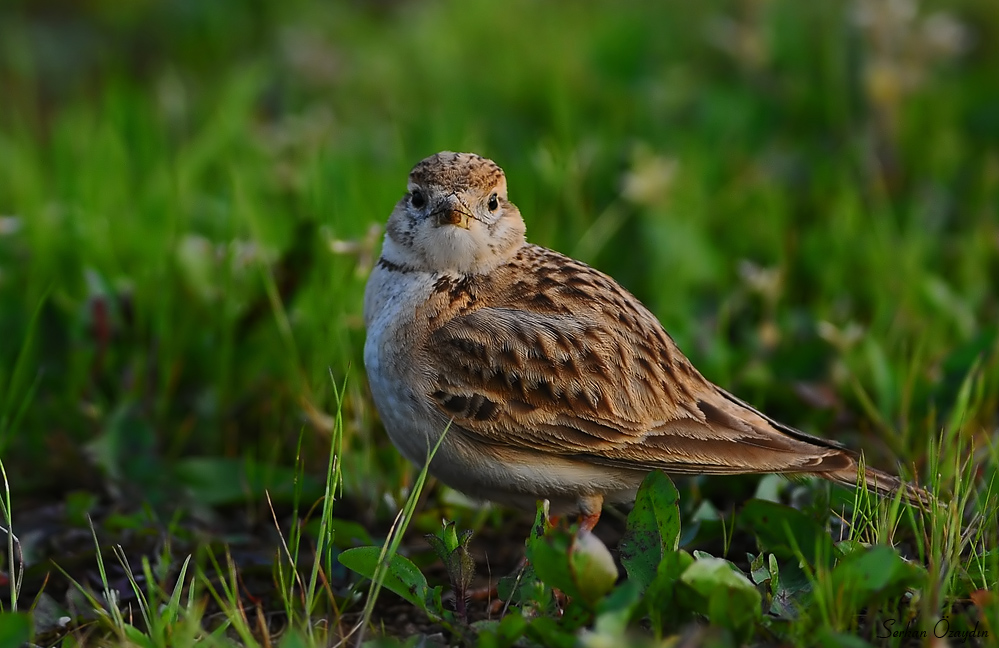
476, 406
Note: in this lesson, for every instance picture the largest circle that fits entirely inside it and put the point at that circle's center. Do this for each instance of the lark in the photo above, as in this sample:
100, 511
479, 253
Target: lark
550, 379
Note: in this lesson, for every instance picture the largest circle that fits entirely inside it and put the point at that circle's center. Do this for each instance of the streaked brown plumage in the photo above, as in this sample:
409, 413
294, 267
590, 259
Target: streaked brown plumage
556, 382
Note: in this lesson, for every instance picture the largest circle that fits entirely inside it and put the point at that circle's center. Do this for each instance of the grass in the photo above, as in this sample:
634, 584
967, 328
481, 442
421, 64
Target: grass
806, 194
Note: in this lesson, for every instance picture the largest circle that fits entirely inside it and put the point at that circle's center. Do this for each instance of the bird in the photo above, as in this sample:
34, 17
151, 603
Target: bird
523, 374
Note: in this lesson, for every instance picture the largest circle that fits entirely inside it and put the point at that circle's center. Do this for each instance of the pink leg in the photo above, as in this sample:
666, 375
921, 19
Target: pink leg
589, 511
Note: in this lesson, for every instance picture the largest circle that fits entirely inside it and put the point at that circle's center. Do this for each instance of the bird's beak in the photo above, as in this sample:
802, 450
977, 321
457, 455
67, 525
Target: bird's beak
453, 215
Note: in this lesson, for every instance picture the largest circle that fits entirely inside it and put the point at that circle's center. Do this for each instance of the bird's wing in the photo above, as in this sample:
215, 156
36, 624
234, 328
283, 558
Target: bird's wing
567, 362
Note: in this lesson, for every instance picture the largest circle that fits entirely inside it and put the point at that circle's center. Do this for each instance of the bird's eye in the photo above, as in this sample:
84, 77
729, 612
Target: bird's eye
493, 202
417, 199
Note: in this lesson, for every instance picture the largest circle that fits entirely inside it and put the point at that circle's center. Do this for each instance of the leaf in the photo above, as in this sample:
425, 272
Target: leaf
15, 629
403, 577
580, 565
980, 571
732, 599
460, 570
505, 632
664, 595
217, 481
592, 566
126, 450
757, 571
546, 631
653, 528
781, 529
438, 545
347, 533
524, 588
827, 638
453, 552
294, 639
136, 637
617, 608
16, 397
877, 574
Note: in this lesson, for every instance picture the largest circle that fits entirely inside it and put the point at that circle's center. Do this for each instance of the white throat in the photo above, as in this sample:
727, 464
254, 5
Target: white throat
453, 250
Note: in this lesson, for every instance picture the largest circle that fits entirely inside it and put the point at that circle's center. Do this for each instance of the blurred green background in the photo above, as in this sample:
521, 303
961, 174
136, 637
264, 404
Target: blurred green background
806, 194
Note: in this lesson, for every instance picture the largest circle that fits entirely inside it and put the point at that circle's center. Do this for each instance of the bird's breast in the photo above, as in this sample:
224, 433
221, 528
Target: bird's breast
392, 356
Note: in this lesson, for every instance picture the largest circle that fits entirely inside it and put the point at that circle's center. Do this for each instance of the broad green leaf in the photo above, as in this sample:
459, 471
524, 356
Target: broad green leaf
348, 533
876, 574
523, 588
15, 629
224, 480
653, 528
732, 599
707, 574
616, 609
137, 637
294, 639
780, 529
780, 592
403, 577
580, 565
593, 566
663, 597
548, 631
827, 638
500, 634
126, 450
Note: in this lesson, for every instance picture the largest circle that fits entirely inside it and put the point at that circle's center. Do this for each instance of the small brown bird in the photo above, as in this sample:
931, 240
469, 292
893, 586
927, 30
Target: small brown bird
552, 380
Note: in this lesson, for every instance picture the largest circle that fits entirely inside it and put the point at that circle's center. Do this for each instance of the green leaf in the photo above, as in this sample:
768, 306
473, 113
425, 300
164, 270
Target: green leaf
294, 639
732, 599
592, 566
980, 572
15, 629
126, 450
664, 596
137, 637
450, 536
524, 589
16, 397
877, 574
453, 552
781, 529
500, 634
826, 638
617, 608
403, 577
460, 569
438, 545
549, 632
218, 481
653, 528
580, 565
348, 533
757, 571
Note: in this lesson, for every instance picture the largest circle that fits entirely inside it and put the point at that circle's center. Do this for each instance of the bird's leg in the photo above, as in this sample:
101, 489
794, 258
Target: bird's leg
589, 511
587, 522
589, 514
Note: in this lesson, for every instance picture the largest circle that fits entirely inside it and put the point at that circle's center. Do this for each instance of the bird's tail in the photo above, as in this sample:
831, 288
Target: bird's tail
883, 483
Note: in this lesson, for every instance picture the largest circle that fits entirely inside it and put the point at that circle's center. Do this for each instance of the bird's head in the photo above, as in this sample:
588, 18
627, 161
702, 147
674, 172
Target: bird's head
455, 217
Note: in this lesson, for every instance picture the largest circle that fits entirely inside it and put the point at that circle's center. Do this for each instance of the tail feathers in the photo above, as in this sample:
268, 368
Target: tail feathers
879, 481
